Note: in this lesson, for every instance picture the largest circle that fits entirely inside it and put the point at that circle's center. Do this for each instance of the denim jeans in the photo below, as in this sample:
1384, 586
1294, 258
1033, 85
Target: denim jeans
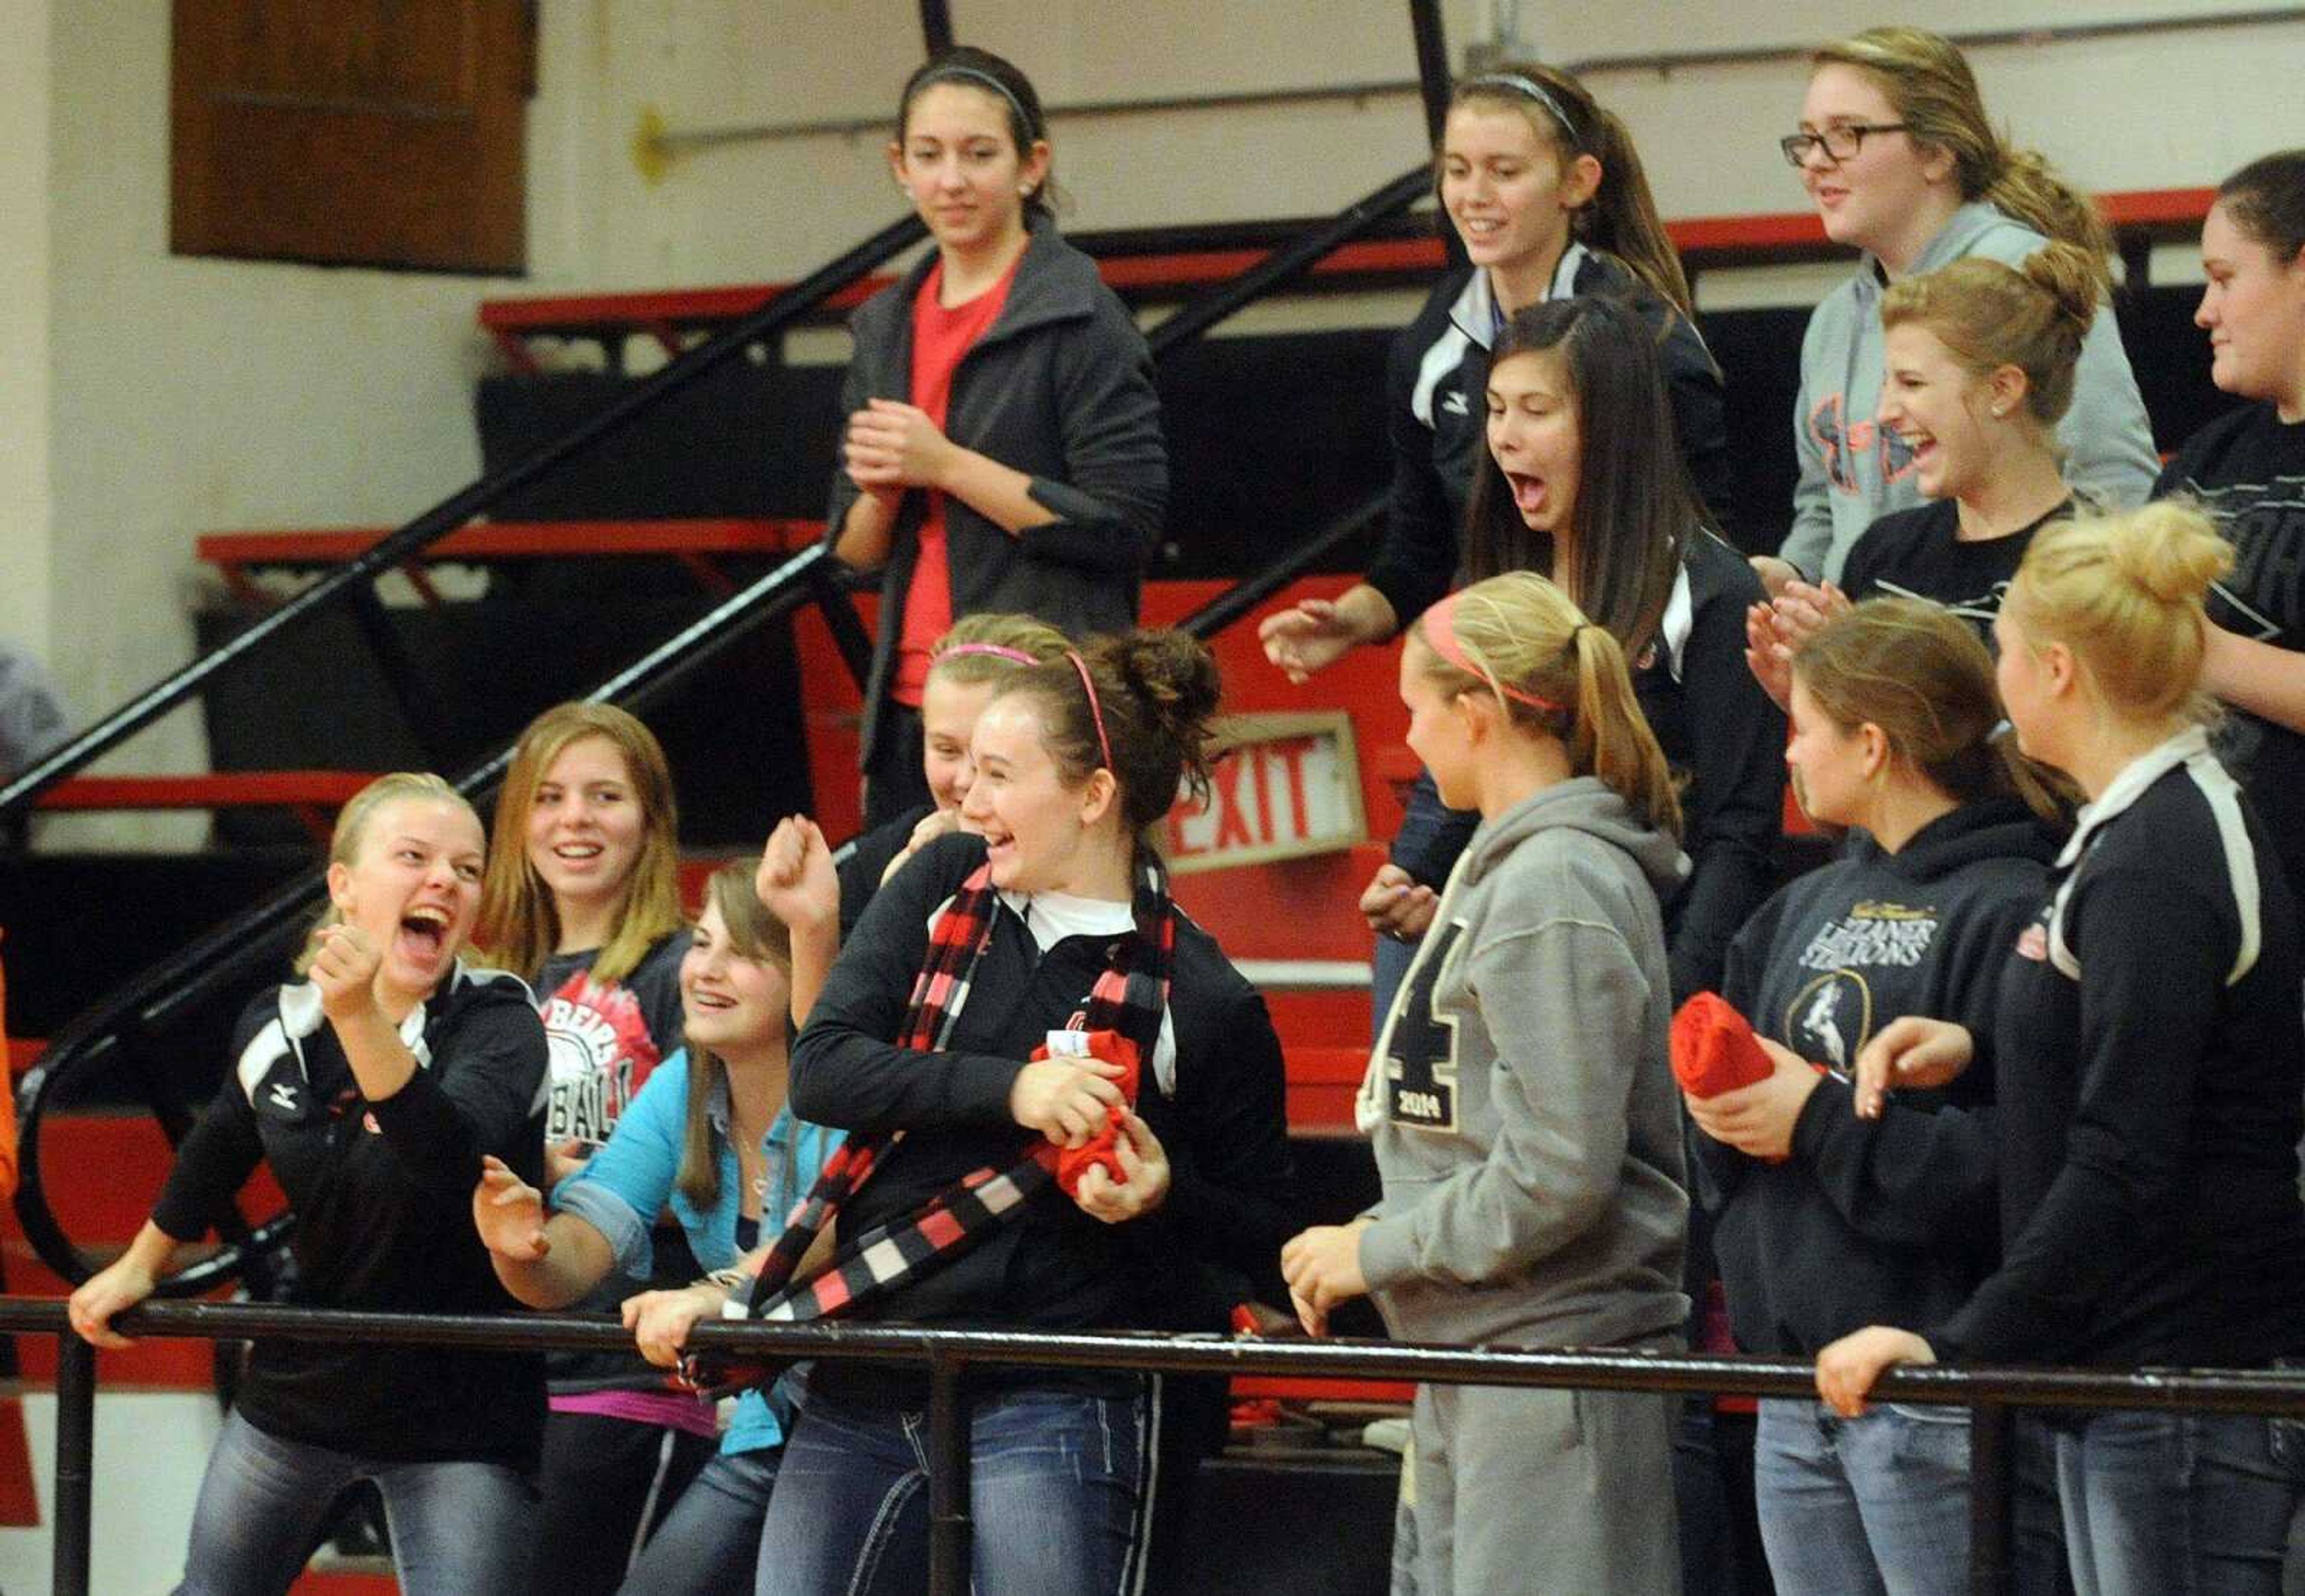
1876, 1504
1058, 1485
456, 1527
2173, 1504
710, 1540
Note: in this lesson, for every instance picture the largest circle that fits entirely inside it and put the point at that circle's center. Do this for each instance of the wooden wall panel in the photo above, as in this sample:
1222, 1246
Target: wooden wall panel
379, 132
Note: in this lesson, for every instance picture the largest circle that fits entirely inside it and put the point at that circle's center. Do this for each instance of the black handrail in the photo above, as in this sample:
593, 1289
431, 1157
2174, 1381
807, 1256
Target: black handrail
786, 308
1989, 1394
1235, 603
1289, 260
261, 937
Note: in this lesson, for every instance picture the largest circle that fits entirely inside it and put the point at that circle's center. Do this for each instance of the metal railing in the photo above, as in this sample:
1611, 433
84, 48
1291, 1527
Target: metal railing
261, 935
1991, 1395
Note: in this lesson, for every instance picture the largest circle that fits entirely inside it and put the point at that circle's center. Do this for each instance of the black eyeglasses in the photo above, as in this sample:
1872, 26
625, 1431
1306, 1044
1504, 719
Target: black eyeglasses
1840, 142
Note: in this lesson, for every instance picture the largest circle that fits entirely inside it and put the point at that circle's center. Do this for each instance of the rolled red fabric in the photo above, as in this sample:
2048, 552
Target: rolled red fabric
1073, 1162
1715, 1050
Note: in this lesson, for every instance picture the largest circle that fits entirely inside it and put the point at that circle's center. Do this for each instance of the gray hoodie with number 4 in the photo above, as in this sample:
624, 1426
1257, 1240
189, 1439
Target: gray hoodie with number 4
1520, 1101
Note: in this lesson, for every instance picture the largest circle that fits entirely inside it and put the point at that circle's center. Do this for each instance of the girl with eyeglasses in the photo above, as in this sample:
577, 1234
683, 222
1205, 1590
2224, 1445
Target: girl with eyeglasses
1896, 150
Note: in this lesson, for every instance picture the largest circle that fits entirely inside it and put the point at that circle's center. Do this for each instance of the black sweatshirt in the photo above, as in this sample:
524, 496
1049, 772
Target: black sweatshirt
1919, 554
2152, 1091
1052, 1266
862, 862
2248, 471
1436, 385
382, 1193
1886, 1221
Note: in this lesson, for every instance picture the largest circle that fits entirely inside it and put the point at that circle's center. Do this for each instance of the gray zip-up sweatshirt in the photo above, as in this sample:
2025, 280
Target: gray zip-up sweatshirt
1852, 473
1520, 1099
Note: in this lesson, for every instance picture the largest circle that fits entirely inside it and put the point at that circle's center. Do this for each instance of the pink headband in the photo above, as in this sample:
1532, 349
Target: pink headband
1095, 710
1441, 637
997, 650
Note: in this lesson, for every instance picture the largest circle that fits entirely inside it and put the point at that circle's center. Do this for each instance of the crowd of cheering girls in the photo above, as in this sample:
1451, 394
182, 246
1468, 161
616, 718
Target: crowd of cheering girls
2029, 1049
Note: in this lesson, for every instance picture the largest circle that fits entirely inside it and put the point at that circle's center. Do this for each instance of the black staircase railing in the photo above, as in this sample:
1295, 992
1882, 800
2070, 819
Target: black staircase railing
260, 936
787, 310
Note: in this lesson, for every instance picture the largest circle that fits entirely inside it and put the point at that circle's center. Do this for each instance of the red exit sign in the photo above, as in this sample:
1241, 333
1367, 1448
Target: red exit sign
1284, 786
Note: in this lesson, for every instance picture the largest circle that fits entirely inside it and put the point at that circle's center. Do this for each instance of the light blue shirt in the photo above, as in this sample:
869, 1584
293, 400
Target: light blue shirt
629, 1180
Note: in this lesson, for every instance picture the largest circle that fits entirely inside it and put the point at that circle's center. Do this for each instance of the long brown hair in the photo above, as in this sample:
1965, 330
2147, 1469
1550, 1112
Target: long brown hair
755, 933
519, 924
1920, 673
1621, 220
1635, 511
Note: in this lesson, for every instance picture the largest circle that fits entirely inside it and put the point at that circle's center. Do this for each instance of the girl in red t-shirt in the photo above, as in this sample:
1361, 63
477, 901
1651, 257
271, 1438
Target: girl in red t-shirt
1003, 449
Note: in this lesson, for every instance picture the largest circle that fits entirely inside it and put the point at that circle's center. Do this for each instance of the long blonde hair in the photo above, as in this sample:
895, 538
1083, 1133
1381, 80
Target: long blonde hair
352, 830
1935, 93
754, 932
519, 924
2125, 592
1523, 639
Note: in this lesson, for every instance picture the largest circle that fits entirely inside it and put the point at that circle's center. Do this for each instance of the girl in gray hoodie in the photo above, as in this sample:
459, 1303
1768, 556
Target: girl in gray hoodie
1896, 150
1522, 1109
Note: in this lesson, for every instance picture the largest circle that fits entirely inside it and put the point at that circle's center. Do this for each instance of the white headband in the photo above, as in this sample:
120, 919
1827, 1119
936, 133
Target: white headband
1531, 87
944, 74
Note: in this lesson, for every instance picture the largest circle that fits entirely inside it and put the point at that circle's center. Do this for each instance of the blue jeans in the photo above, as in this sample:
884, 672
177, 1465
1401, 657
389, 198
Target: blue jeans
2174, 1503
1876, 1504
710, 1540
456, 1527
1058, 1493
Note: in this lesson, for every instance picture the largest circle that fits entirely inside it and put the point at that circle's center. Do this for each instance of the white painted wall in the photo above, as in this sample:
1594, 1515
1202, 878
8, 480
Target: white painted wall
150, 398
2166, 110
24, 507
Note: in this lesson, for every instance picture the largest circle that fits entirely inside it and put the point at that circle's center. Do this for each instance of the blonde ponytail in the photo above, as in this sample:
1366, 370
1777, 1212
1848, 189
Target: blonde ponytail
1517, 638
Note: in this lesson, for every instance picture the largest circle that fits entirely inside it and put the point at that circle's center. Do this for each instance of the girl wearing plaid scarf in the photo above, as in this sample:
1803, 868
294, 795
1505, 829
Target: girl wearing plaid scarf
1009, 995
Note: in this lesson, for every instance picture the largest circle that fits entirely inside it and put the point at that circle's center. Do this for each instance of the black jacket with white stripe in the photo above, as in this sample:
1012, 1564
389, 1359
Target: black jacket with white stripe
382, 1193
2149, 1054
1436, 416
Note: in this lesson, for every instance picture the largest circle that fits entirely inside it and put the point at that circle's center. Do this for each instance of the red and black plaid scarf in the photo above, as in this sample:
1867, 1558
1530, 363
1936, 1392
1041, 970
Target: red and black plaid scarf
1130, 997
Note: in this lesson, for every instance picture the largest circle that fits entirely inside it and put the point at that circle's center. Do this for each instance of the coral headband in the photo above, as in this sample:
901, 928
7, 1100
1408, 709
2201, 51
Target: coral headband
997, 650
1095, 710
1441, 637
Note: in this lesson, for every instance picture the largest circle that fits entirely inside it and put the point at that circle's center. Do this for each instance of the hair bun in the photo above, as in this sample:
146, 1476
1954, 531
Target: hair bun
2169, 551
1171, 673
2068, 276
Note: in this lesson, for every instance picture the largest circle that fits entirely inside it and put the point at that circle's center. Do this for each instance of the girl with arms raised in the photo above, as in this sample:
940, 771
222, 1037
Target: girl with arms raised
373, 1088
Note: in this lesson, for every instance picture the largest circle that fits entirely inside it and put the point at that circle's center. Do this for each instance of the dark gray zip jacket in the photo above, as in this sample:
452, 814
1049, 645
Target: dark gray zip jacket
1059, 387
